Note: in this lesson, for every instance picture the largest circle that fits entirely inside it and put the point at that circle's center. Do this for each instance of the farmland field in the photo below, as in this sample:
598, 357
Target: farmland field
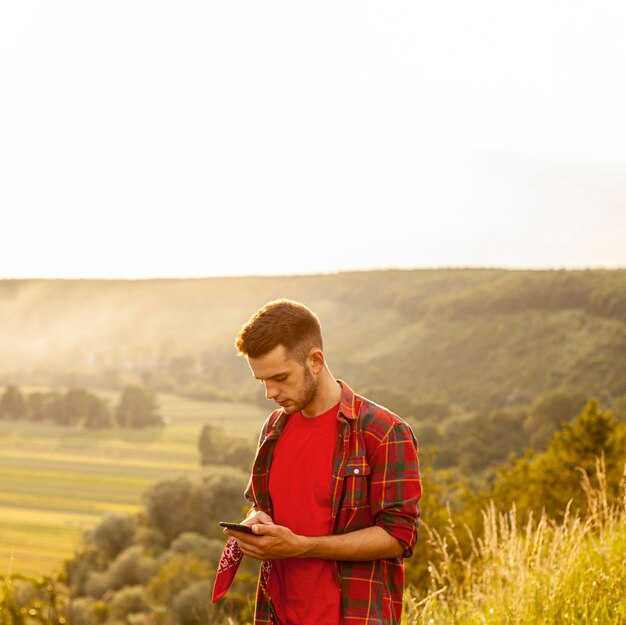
56, 482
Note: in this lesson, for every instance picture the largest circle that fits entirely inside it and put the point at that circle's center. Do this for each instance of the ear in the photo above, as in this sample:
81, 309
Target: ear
316, 360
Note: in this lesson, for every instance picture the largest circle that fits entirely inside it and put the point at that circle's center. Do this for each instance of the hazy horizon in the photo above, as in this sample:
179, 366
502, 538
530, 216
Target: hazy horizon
312, 273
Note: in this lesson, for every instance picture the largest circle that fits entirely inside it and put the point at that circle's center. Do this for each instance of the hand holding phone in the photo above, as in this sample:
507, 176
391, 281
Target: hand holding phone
237, 527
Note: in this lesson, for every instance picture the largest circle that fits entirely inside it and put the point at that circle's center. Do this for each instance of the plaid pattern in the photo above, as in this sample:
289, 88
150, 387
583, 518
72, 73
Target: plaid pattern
375, 481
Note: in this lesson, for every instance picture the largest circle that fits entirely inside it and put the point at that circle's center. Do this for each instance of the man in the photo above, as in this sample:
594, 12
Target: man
334, 486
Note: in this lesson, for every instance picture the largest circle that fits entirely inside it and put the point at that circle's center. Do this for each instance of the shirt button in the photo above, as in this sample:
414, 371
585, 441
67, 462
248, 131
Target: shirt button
356, 471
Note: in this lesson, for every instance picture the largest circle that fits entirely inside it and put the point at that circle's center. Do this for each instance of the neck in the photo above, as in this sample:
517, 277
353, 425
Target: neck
327, 395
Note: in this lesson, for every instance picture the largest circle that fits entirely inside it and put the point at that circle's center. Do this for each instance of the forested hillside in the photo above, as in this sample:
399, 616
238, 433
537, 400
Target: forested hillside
481, 339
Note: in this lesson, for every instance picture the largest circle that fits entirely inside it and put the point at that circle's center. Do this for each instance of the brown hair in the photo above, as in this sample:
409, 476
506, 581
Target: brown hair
280, 322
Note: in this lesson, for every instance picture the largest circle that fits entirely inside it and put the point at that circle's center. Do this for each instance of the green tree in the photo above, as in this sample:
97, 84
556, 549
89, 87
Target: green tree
179, 505
137, 408
45, 406
132, 567
224, 493
211, 444
99, 415
217, 449
200, 546
169, 506
114, 534
12, 404
550, 480
239, 453
549, 412
79, 407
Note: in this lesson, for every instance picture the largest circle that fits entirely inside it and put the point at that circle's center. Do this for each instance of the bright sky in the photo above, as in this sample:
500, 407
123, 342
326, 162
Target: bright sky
148, 138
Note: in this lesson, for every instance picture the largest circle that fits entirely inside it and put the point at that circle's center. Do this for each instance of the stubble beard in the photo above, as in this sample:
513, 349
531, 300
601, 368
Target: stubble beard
308, 392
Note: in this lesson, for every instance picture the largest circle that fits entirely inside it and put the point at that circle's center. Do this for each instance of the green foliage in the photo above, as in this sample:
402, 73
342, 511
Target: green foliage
137, 408
549, 411
45, 407
128, 602
84, 611
12, 404
180, 505
157, 565
114, 533
176, 573
200, 546
25, 601
170, 507
620, 409
76, 407
541, 572
132, 567
217, 448
80, 569
473, 442
191, 606
550, 480
151, 539
210, 444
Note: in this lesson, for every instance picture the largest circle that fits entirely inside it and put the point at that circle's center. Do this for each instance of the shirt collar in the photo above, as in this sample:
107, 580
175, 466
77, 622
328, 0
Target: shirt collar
347, 405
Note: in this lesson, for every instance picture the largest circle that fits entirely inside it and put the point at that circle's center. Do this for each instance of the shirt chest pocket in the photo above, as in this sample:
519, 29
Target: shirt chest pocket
356, 482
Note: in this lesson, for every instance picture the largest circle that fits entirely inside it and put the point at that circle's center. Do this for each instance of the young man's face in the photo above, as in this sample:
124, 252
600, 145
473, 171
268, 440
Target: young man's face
288, 382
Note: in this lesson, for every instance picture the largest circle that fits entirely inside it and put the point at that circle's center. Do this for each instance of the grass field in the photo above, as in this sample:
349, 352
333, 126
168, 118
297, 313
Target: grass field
56, 482
541, 572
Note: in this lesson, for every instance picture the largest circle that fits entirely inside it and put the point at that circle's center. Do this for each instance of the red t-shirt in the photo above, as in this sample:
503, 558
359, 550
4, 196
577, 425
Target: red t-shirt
304, 590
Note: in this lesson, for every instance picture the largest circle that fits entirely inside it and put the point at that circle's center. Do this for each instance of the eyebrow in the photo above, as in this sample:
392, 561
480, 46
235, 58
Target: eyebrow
276, 375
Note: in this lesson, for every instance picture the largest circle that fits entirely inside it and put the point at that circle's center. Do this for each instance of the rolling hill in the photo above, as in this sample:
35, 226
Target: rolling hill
477, 338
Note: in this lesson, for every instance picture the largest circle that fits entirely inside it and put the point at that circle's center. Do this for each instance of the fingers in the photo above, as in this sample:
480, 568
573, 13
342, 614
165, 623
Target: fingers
259, 517
263, 517
258, 529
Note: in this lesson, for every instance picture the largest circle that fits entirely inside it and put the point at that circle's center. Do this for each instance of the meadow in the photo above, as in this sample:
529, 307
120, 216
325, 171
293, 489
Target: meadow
538, 572
57, 482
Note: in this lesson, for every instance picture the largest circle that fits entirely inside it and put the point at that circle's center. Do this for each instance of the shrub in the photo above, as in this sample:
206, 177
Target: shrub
200, 546
114, 534
128, 601
176, 573
191, 605
131, 568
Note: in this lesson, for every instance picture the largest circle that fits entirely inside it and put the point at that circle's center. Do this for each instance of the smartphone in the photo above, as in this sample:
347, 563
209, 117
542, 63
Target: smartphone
237, 527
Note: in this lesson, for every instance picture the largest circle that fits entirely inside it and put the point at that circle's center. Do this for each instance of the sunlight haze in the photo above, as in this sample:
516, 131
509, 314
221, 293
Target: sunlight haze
152, 139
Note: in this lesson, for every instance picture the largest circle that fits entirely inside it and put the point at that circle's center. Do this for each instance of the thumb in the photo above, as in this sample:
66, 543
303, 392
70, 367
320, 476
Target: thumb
261, 529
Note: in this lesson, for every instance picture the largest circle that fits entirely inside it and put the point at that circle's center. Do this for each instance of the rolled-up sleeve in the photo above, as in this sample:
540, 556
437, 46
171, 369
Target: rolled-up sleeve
396, 486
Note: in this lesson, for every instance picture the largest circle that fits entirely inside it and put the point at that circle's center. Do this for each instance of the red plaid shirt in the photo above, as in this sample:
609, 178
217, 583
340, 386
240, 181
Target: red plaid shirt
375, 481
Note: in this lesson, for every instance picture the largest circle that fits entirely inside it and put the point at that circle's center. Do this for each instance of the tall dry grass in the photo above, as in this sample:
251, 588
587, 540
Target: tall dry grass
572, 572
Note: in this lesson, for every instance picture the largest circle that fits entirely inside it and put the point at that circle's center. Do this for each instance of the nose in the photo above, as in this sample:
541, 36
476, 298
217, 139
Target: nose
270, 391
